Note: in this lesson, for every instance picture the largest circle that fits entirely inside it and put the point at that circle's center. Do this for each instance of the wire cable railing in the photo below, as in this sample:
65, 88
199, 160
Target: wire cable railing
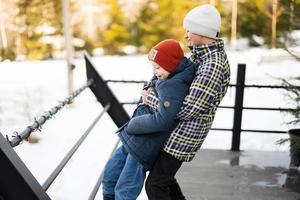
14, 172
23, 135
238, 106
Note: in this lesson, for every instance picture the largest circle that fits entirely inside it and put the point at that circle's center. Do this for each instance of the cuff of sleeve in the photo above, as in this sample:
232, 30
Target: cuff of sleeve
152, 101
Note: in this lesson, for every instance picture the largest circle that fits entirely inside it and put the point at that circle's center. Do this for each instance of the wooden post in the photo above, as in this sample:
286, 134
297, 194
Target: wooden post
234, 24
292, 10
238, 107
274, 22
3, 35
68, 44
16, 180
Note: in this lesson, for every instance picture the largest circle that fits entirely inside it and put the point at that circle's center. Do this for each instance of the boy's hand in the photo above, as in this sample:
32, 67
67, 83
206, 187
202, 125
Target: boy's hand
145, 93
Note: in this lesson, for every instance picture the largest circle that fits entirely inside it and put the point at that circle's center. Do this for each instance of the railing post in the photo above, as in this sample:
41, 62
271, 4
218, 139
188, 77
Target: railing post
238, 107
16, 181
105, 95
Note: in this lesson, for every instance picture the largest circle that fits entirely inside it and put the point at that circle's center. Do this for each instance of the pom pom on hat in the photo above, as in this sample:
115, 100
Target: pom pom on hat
167, 54
204, 20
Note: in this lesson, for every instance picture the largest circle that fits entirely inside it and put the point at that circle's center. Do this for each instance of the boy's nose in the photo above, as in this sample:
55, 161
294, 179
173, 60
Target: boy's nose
186, 34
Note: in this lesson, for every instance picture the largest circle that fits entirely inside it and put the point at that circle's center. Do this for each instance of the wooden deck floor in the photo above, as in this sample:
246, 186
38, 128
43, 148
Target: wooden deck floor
248, 175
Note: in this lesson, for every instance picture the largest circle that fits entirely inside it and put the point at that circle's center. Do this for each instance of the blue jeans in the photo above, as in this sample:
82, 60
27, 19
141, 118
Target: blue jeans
123, 177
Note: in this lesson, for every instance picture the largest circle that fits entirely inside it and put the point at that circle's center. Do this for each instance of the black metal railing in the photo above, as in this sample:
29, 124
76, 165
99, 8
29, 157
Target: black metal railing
15, 175
65, 160
237, 107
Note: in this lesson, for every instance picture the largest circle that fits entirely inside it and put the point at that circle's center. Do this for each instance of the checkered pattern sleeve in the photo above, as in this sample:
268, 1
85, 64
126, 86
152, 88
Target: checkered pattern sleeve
152, 101
205, 86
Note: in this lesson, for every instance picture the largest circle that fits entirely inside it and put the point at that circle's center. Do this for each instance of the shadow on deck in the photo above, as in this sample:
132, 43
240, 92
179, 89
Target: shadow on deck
245, 175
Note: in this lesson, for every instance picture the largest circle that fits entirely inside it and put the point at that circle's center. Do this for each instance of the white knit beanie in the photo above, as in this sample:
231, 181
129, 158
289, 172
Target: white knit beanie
203, 20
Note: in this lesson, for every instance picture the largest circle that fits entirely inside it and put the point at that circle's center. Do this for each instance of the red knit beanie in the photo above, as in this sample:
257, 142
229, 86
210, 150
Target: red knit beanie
167, 54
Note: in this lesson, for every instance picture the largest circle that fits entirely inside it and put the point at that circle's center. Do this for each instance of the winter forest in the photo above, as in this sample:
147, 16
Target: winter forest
33, 29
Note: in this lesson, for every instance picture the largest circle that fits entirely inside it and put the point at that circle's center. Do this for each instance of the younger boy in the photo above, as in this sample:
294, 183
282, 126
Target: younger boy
144, 135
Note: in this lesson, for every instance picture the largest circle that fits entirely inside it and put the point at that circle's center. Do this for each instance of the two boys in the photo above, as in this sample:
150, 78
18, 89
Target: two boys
190, 123
145, 134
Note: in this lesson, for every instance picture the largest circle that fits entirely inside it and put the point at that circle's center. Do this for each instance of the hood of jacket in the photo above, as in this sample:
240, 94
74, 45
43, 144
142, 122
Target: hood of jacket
185, 71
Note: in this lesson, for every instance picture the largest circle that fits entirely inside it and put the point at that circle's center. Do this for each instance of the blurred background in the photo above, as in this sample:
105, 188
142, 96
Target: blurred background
33, 29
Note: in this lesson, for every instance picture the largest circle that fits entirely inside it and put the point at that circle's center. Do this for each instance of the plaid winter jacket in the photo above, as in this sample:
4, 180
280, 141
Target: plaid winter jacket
199, 107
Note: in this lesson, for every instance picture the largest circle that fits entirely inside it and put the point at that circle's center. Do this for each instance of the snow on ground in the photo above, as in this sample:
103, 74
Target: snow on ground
30, 88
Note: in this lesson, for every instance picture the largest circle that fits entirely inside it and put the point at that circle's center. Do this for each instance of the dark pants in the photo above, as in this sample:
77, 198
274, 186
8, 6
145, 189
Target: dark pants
161, 183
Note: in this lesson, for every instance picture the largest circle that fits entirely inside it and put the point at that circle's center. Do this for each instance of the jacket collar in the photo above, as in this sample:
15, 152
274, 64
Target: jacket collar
182, 66
199, 52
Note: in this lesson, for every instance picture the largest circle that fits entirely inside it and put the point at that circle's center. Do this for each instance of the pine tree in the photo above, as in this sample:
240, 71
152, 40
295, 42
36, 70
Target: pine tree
31, 14
159, 20
36, 19
251, 20
154, 23
116, 35
289, 19
254, 17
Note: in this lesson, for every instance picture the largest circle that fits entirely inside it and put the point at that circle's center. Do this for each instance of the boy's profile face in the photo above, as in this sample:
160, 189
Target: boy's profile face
159, 72
193, 39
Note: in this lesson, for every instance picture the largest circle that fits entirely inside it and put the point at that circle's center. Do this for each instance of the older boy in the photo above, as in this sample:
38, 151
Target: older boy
209, 86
